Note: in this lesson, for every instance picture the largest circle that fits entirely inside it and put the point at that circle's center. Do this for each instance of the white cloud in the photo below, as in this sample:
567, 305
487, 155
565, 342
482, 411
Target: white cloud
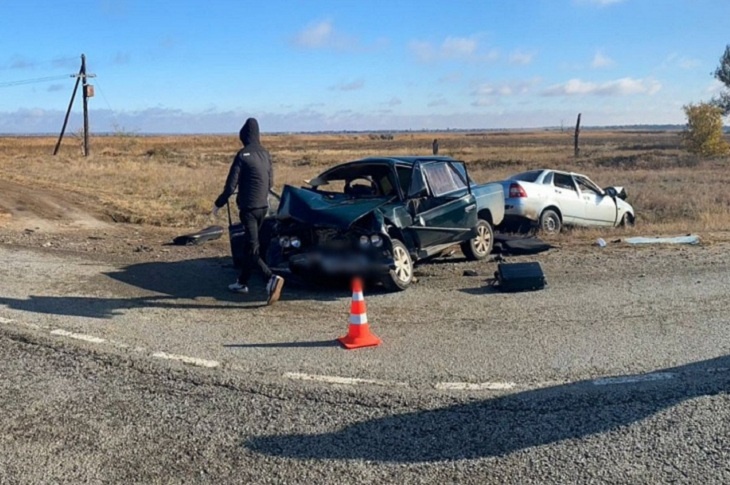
485, 94
171, 120
19, 63
458, 47
438, 102
451, 78
689, 63
601, 61
349, 86
521, 58
599, 3
315, 35
682, 62
453, 49
715, 88
620, 87
324, 35
394, 101
121, 58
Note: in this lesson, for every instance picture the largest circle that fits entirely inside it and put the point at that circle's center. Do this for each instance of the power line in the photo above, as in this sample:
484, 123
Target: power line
34, 81
101, 91
22, 64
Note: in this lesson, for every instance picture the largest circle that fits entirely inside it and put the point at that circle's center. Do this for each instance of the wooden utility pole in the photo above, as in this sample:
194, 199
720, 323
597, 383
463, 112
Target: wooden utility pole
68, 113
85, 97
576, 149
87, 92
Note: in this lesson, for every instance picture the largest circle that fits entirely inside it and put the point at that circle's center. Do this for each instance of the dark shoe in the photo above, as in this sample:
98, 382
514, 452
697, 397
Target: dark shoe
276, 283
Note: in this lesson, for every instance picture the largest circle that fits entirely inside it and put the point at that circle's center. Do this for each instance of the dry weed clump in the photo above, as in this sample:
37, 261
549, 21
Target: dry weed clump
173, 180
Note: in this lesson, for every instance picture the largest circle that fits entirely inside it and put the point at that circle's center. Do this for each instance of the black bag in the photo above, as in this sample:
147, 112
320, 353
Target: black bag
520, 276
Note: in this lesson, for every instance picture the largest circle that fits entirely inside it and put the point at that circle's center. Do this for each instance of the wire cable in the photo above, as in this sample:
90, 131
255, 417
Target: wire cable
101, 91
34, 81
116, 125
19, 64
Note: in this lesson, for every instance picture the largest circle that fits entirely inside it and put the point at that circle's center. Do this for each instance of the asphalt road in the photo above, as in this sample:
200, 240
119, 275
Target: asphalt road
149, 372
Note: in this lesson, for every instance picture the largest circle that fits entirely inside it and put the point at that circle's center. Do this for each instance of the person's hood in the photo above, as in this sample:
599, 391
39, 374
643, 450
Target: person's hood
249, 133
310, 207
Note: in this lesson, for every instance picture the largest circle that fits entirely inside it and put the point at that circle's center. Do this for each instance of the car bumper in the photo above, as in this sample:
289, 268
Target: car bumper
520, 208
332, 264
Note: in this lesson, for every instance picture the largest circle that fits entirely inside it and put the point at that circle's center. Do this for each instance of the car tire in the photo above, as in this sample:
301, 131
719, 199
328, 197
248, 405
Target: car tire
399, 278
550, 222
627, 220
479, 247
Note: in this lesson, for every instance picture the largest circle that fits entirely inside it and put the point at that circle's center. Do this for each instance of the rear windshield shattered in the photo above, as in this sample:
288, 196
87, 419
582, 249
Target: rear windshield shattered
530, 176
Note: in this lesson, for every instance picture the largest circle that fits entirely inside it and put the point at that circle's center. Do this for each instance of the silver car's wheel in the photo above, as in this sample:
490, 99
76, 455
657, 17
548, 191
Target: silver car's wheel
400, 277
550, 222
480, 246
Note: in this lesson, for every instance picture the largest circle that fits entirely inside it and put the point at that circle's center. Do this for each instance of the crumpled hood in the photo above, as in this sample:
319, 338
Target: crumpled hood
314, 208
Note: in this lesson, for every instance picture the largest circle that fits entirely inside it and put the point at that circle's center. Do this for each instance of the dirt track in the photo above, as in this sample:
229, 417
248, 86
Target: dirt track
36, 209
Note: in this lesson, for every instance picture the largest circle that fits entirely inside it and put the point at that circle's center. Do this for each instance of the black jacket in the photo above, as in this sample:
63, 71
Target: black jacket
251, 172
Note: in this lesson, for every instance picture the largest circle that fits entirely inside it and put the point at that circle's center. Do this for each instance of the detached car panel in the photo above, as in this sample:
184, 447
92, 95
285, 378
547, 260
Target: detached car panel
376, 217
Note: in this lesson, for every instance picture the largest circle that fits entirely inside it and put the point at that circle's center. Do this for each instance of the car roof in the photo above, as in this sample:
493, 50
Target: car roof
405, 160
556, 171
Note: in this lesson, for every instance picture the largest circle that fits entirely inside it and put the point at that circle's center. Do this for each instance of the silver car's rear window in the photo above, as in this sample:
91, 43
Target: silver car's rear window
530, 176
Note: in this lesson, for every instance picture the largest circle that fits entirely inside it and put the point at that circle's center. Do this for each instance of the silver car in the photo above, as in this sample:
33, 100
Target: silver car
552, 199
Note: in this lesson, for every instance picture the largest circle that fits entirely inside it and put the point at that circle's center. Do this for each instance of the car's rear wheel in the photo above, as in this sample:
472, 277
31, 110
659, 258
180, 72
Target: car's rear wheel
400, 277
481, 245
550, 222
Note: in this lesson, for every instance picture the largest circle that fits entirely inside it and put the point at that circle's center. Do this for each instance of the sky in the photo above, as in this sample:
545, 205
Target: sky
190, 66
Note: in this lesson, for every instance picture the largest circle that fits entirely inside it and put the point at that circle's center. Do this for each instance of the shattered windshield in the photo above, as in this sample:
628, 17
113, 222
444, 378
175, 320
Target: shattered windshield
358, 180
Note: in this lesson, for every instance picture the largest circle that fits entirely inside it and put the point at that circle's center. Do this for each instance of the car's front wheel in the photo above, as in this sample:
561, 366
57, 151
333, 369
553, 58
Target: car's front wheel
400, 277
480, 246
627, 220
550, 222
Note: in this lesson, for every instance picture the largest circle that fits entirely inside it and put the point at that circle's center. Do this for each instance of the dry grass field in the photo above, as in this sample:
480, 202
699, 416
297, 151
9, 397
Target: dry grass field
172, 180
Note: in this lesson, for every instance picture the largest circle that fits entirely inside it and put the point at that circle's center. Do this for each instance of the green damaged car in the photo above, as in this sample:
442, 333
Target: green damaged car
375, 218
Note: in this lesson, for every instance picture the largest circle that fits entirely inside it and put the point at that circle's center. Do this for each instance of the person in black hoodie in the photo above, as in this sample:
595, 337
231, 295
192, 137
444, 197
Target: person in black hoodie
252, 173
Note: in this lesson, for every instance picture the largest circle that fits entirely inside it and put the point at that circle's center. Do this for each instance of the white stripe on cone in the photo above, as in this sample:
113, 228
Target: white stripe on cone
359, 319
357, 296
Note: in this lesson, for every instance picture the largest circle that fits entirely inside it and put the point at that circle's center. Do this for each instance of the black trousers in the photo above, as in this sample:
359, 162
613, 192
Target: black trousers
252, 220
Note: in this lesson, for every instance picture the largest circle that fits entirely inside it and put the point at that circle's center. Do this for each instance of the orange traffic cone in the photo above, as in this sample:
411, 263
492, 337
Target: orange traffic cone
358, 334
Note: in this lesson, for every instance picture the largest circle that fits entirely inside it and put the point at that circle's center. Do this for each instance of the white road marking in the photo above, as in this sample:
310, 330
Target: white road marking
475, 386
187, 360
78, 336
656, 376
349, 381
466, 386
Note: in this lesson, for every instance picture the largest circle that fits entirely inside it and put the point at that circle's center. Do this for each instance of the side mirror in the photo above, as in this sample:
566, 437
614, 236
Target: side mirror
616, 192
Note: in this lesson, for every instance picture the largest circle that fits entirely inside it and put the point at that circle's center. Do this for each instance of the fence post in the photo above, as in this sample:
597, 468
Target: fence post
576, 149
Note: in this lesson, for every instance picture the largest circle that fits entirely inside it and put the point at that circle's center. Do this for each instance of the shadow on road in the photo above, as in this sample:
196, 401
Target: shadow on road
175, 285
210, 277
503, 425
285, 345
